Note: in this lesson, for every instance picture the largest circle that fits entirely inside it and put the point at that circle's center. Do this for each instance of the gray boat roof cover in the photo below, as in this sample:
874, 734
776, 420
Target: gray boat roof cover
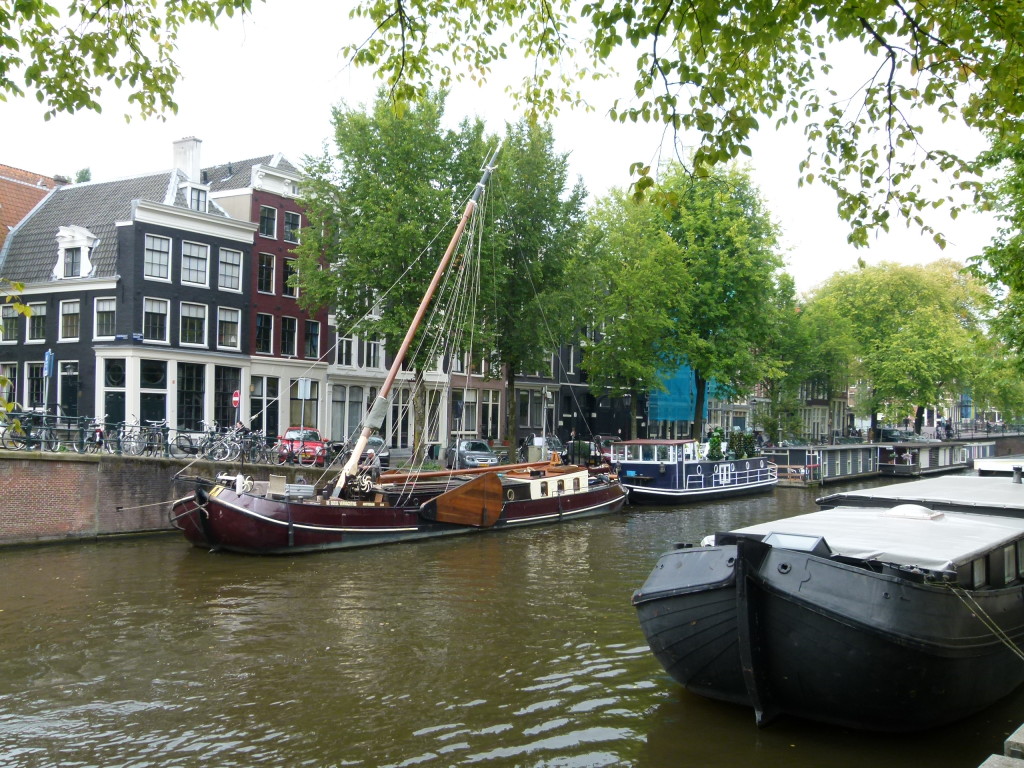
906, 534
962, 491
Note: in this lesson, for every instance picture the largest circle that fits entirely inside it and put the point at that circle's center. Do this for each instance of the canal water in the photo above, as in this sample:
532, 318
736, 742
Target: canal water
508, 649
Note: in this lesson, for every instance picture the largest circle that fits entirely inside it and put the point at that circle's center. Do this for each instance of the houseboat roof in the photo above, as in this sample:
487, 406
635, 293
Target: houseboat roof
967, 493
904, 534
654, 441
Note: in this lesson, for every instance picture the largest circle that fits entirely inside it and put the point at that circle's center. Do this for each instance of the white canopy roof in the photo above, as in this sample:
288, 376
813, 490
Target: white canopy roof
906, 534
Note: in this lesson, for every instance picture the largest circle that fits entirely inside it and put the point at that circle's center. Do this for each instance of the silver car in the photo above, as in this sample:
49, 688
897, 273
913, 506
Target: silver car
469, 453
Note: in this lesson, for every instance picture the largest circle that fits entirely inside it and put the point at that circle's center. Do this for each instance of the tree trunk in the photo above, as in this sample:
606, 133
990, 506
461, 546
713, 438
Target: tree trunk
632, 416
700, 391
918, 419
511, 433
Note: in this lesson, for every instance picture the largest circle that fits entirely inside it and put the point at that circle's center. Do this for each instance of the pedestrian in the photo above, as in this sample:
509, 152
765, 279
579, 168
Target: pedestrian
371, 465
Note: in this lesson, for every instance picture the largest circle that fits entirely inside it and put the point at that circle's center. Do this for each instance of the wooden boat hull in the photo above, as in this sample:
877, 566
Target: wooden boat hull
814, 638
218, 517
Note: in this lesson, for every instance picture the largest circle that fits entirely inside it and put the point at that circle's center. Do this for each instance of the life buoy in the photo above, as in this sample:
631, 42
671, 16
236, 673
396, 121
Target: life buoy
700, 470
510, 494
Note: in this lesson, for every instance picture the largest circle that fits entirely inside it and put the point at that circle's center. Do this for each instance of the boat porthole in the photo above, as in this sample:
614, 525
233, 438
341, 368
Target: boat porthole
732, 467
885, 595
784, 568
762, 463
747, 466
730, 562
510, 494
700, 470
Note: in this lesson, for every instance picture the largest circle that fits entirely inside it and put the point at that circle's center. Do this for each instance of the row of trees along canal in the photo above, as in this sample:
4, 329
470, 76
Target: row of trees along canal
690, 272
687, 274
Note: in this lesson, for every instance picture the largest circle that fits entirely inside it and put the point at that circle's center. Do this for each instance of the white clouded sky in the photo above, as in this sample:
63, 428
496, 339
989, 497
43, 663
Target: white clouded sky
267, 84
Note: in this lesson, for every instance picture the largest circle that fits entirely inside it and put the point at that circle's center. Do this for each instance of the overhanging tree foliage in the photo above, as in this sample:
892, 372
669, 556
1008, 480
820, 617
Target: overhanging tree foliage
66, 56
720, 69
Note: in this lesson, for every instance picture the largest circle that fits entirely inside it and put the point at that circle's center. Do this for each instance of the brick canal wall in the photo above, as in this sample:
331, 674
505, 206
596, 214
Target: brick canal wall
48, 497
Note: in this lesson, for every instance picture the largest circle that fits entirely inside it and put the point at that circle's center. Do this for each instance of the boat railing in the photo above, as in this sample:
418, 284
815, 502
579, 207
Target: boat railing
738, 472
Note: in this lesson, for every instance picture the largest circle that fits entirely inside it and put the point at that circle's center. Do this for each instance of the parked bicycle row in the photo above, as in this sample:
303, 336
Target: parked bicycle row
34, 431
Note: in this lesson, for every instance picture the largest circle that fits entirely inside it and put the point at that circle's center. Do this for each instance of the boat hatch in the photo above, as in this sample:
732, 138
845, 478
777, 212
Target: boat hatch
799, 542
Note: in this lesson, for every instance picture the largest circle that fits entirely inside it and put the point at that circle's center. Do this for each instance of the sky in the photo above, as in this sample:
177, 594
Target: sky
267, 83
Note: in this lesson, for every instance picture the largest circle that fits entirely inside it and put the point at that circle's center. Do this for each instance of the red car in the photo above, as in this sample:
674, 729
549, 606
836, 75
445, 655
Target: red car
303, 445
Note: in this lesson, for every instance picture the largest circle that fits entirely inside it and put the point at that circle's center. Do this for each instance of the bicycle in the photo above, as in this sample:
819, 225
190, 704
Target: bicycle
152, 438
21, 434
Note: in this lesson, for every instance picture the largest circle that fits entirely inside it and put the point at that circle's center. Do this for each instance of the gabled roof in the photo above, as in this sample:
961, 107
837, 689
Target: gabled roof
30, 251
20, 191
238, 174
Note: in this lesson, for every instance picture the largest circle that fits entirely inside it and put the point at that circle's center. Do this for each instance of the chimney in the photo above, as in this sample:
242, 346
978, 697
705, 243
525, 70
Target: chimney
186, 157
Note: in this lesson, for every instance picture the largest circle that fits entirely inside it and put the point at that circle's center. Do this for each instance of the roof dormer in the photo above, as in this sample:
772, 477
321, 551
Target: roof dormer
74, 253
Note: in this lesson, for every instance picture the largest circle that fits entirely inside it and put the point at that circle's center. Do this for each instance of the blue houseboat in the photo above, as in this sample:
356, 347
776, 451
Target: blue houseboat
671, 471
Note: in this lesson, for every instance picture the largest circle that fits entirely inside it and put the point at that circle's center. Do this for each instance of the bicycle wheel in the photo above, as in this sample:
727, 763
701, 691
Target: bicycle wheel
218, 451
48, 440
14, 438
181, 446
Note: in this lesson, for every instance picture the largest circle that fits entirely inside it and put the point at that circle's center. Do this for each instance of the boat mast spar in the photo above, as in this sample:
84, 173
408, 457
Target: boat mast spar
378, 412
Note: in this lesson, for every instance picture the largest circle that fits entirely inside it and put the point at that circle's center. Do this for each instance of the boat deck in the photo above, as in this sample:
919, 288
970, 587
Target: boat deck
965, 493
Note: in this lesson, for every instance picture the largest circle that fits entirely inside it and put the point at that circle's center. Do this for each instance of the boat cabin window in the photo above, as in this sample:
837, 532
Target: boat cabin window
1020, 558
688, 451
560, 487
575, 483
979, 573
663, 452
648, 453
1009, 564
544, 488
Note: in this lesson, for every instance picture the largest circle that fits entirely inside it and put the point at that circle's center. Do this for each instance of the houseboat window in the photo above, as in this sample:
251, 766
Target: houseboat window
663, 452
575, 483
1009, 564
561, 486
979, 573
632, 452
544, 488
648, 453
1020, 558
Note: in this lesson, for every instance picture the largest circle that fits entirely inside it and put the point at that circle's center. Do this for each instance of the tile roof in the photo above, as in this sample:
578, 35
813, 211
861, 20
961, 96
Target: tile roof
238, 174
30, 252
20, 191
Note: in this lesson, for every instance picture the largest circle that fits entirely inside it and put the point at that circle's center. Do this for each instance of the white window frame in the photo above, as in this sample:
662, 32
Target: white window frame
201, 196
170, 258
220, 269
273, 274
36, 313
259, 223
295, 232
8, 312
238, 327
295, 337
256, 348
96, 316
167, 320
60, 323
289, 268
205, 283
316, 353
181, 324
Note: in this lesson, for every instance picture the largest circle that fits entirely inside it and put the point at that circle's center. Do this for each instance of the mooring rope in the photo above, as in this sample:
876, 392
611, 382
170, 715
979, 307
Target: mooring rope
968, 599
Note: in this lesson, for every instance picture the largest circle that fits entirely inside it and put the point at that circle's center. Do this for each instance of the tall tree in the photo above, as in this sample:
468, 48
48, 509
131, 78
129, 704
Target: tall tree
916, 330
66, 56
719, 69
380, 213
536, 223
718, 275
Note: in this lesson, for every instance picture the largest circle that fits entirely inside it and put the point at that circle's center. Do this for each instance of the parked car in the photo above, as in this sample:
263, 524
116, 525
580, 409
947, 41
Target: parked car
606, 444
302, 445
469, 453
